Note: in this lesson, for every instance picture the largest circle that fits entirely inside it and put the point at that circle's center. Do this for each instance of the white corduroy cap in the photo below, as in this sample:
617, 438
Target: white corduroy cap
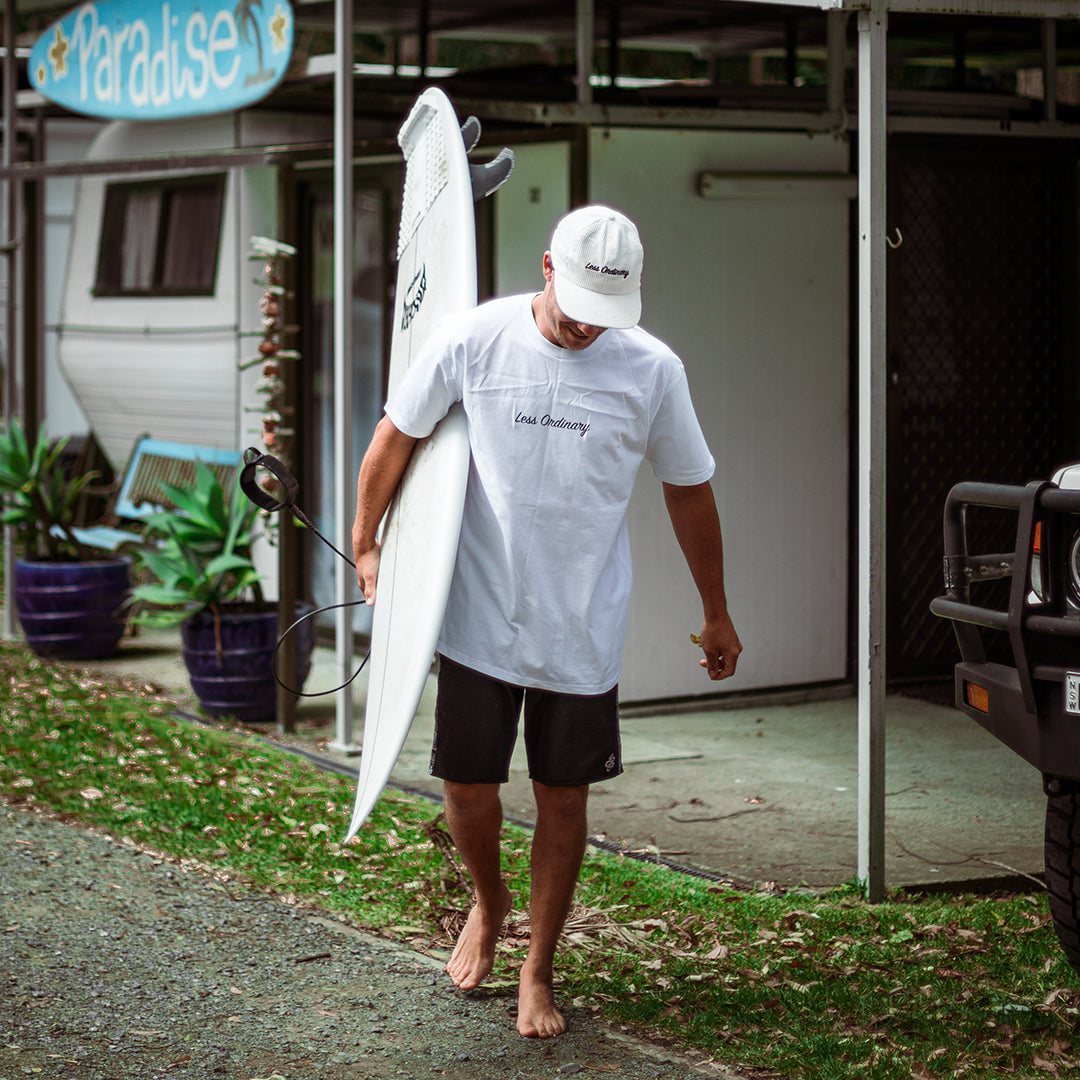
596, 254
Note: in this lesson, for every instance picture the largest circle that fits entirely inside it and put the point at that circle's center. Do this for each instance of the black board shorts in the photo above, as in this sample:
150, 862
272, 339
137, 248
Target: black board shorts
570, 739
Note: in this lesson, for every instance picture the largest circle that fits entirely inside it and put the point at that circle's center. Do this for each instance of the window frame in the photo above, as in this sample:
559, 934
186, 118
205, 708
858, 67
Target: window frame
108, 279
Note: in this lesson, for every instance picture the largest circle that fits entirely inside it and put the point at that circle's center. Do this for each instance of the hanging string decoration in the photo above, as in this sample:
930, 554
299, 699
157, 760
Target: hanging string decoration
276, 428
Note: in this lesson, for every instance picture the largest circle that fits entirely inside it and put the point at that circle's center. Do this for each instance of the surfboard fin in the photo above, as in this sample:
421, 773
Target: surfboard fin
492, 175
470, 133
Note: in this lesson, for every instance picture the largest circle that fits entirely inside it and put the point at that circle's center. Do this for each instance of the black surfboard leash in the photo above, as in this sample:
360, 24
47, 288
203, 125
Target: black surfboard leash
290, 487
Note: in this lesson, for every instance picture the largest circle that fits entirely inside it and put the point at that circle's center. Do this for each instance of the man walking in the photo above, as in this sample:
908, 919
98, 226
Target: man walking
564, 395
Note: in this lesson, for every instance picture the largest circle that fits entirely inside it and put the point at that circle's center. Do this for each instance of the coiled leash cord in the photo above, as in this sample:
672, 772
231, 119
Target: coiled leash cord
290, 487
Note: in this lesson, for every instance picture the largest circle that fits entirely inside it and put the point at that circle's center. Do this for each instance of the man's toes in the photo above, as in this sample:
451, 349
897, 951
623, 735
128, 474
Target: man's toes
547, 1028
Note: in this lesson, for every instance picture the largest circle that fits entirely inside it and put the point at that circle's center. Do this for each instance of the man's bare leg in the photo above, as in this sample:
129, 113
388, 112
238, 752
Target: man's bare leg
557, 851
474, 816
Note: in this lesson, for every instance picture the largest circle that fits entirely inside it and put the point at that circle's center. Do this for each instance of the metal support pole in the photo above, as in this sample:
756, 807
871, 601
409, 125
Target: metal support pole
791, 50
423, 35
836, 63
870, 676
586, 18
614, 34
288, 534
11, 382
1049, 51
344, 481
959, 58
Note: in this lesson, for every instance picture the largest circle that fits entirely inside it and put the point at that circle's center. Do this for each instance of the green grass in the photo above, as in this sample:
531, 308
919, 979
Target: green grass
816, 987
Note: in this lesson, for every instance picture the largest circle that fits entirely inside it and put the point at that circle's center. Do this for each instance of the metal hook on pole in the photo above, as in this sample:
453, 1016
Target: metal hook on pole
894, 244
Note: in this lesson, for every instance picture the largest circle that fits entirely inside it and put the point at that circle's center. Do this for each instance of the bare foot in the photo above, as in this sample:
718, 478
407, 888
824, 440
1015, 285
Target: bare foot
474, 955
538, 1018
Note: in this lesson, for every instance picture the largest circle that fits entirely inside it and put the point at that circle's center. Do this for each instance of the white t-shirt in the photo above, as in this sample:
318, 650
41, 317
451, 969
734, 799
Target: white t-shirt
541, 589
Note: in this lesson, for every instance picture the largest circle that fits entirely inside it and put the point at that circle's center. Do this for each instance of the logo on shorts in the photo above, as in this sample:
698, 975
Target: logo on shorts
610, 763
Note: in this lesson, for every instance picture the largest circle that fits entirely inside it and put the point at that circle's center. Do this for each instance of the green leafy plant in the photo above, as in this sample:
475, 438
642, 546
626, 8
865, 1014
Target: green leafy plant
811, 986
204, 558
38, 499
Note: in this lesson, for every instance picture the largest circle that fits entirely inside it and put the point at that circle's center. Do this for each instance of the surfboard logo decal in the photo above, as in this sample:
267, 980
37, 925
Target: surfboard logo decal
414, 297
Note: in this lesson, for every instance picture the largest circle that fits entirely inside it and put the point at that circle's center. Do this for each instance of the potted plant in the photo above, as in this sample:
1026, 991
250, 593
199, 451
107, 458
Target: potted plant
205, 581
69, 597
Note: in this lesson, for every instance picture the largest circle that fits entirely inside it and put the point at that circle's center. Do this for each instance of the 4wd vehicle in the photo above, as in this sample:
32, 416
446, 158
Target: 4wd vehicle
1023, 683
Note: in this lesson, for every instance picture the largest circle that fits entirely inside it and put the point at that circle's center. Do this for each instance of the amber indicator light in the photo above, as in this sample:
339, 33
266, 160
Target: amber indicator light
978, 697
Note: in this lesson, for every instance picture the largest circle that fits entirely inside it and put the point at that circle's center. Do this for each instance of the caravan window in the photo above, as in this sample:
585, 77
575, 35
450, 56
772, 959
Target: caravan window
161, 238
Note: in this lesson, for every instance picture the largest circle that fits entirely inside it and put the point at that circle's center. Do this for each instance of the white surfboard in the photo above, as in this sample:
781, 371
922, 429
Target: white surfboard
436, 277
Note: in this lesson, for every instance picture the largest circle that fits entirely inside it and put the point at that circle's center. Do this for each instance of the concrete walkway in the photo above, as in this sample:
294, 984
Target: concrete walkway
764, 792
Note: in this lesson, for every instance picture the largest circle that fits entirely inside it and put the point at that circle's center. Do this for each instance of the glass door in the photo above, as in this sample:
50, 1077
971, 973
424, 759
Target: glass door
372, 296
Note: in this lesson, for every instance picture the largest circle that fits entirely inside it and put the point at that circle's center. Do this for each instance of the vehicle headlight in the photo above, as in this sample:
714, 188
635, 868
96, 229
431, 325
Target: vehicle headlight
1074, 565
1038, 587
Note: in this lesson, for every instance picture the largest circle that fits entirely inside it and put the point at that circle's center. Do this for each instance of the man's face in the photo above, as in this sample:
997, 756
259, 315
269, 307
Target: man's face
555, 326
566, 333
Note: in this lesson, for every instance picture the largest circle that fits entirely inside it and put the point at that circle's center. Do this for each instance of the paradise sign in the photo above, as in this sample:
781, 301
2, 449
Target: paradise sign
139, 60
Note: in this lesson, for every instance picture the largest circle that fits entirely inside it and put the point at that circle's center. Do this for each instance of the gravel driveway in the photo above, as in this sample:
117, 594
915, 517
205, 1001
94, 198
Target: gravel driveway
121, 964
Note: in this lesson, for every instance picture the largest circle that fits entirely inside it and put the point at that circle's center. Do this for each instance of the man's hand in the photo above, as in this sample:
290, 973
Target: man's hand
697, 527
721, 646
380, 473
367, 572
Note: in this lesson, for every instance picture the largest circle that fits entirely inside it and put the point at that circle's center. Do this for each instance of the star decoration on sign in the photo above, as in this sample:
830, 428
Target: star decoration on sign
278, 25
58, 51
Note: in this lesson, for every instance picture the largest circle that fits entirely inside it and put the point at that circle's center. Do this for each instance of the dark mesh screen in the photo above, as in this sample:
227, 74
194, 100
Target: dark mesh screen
982, 372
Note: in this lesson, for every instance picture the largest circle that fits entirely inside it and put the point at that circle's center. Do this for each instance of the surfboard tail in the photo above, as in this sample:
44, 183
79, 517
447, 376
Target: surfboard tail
427, 166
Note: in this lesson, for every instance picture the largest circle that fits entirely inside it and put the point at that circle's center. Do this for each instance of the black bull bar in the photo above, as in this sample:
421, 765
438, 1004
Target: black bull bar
1024, 705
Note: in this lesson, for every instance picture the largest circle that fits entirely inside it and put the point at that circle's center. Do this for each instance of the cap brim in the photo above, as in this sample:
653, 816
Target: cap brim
615, 311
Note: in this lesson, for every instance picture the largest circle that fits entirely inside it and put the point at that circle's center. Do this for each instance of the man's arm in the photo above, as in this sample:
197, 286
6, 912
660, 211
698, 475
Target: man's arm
380, 473
696, 522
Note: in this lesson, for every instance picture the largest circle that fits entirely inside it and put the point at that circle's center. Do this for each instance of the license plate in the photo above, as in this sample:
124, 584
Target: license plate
1072, 692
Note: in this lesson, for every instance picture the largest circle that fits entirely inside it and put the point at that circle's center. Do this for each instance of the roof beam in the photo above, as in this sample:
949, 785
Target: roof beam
1034, 9
241, 157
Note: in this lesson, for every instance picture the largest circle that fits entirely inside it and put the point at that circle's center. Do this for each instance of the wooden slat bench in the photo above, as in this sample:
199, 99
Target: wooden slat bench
152, 462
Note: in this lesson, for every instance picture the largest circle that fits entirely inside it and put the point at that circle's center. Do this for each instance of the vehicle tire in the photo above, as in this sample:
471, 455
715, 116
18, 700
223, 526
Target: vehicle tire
1062, 855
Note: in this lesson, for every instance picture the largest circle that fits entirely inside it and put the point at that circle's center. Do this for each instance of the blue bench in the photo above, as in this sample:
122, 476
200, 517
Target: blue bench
152, 462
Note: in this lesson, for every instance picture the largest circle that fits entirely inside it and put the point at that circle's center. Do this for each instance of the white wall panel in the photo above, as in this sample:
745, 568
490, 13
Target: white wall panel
176, 386
753, 294
66, 140
526, 209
